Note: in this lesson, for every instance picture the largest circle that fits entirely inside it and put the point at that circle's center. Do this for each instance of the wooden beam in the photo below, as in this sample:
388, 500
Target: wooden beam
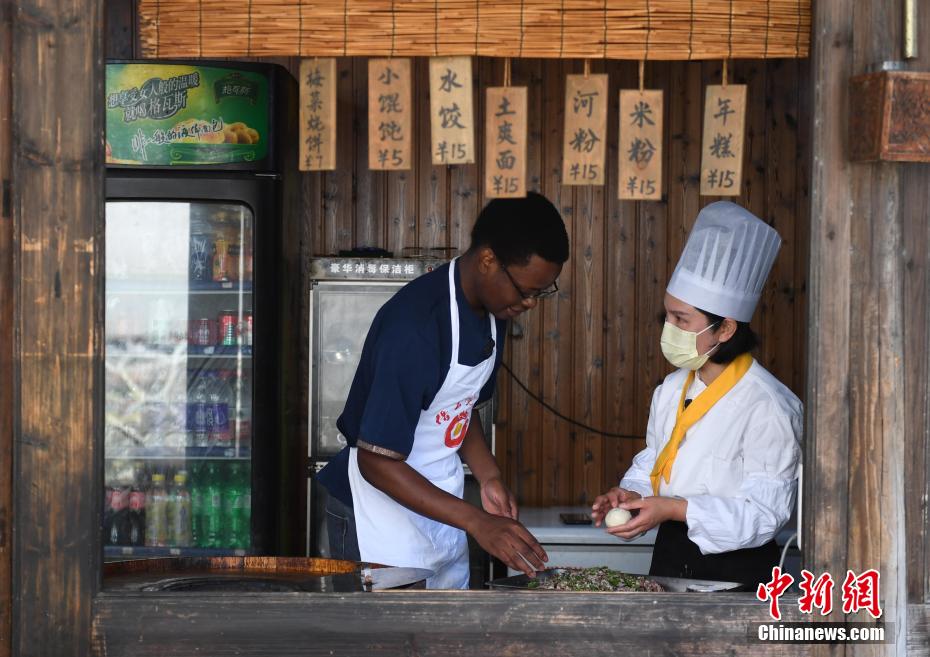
57, 213
6, 332
854, 510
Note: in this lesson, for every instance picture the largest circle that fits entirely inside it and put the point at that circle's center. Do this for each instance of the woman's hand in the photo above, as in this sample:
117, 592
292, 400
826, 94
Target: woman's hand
497, 499
652, 511
610, 500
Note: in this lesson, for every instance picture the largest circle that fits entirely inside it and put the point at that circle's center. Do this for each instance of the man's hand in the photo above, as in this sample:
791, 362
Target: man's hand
611, 500
497, 499
652, 511
510, 542
500, 535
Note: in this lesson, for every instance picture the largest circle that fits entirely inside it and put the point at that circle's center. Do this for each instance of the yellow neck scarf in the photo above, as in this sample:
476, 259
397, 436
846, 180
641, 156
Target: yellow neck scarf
696, 409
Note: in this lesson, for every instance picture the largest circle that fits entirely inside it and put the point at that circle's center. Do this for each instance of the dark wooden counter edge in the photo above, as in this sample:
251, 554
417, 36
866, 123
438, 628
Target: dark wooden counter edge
443, 623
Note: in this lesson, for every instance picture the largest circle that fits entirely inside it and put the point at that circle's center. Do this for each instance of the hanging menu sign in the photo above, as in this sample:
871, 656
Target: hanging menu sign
640, 151
505, 142
389, 114
452, 123
173, 114
722, 146
585, 130
318, 114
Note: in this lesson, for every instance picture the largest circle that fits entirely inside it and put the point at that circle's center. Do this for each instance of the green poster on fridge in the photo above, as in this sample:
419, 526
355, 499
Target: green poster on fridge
179, 114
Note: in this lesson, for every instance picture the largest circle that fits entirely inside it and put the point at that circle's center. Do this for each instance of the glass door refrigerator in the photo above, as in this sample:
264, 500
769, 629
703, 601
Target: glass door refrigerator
346, 293
192, 214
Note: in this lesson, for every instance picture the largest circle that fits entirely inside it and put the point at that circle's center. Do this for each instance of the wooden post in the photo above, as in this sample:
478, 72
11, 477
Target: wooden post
57, 214
915, 199
854, 473
6, 333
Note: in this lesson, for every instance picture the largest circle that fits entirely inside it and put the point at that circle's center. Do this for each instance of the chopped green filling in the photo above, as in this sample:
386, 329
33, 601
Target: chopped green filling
594, 579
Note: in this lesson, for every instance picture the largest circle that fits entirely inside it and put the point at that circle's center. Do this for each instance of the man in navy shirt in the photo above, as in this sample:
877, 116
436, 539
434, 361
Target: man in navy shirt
431, 355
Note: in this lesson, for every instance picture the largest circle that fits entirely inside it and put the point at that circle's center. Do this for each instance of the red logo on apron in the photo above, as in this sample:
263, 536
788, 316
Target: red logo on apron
455, 432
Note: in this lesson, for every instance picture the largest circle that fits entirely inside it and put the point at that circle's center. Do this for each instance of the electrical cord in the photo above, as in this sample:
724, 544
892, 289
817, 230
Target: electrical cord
784, 551
559, 415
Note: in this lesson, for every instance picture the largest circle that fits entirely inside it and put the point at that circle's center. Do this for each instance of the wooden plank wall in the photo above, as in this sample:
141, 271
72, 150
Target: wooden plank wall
592, 352
6, 331
57, 216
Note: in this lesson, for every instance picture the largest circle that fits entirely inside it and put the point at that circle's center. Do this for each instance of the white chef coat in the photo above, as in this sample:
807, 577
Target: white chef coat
737, 466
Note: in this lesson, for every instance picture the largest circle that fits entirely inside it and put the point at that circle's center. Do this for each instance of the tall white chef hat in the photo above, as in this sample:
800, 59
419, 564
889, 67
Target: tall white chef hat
728, 256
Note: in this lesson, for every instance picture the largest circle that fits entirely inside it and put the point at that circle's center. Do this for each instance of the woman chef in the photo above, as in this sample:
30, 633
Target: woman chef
429, 358
719, 472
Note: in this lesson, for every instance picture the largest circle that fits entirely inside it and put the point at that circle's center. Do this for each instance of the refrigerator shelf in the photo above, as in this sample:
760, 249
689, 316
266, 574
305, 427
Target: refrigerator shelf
220, 351
188, 453
117, 552
181, 288
177, 352
225, 286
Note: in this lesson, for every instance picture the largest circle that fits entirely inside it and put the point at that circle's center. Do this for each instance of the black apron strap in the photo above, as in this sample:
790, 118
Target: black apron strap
676, 555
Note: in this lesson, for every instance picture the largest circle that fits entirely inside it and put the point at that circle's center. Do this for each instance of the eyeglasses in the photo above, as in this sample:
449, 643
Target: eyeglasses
539, 294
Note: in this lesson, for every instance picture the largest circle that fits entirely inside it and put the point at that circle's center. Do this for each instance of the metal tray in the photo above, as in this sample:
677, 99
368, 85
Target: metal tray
670, 584
257, 574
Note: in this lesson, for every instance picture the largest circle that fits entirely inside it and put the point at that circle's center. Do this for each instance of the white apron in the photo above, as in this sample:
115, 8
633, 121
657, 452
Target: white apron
390, 533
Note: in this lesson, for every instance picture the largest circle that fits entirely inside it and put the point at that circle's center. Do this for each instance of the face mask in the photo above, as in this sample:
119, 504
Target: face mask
680, 347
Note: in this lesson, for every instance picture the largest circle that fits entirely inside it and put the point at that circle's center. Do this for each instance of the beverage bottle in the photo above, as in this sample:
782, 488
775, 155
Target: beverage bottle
156, 513
221, 402
137, 517
234, 258
200, 263
243, 534
213, 507
234, 495
199, 413
179, 519
196, 490
118, 526
241, 422
247, 254
107, 515
220, 258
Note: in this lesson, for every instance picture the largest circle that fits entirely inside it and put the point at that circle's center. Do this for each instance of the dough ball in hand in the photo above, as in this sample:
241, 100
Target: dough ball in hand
617, 517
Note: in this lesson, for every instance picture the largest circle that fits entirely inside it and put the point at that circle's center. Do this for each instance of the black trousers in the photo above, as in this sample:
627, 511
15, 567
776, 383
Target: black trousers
676, 555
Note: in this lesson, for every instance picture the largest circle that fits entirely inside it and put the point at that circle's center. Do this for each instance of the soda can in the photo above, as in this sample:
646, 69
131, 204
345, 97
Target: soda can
201, 332
227, 328
245, 329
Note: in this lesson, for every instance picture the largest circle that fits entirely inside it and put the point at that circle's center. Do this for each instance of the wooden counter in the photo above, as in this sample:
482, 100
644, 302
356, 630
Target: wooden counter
479, 623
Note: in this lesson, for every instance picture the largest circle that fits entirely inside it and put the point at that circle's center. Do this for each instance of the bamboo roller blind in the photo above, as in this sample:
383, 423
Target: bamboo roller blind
615, 29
